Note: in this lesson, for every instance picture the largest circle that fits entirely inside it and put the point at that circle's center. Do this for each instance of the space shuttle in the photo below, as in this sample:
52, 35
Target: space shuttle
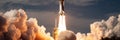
59, 21
61, 7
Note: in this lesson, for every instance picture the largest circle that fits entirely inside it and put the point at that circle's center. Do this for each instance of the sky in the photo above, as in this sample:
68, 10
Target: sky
79, 13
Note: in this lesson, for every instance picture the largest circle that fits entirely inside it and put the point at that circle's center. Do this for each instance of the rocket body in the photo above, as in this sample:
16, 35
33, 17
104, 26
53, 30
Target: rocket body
61, 23
61, 7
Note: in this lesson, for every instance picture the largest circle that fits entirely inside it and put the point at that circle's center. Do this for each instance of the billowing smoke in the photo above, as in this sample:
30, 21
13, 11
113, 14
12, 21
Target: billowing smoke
15, 26
103, 30
67, 35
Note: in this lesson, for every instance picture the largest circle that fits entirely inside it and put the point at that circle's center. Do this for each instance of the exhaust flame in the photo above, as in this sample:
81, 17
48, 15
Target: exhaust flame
61, 24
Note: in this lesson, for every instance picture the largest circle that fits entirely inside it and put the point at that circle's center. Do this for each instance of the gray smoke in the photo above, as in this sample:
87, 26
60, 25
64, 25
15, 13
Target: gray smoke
67, 35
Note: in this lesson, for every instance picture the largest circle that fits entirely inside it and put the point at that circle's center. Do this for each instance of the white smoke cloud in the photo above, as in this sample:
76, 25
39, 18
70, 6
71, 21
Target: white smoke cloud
102, 29
116, 29
80, 36
15, 26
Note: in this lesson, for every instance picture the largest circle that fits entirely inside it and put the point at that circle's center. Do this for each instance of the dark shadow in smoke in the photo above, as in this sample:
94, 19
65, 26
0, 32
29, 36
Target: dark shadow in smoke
112, 38
2, 23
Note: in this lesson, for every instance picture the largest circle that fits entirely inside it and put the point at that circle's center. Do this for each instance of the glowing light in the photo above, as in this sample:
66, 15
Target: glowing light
62, 23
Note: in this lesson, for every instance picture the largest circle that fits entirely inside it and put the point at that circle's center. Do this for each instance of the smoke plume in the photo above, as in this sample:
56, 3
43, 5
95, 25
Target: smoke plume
15, 26
103, 30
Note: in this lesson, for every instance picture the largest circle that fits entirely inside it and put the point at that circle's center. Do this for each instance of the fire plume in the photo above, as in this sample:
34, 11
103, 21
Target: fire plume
62, 23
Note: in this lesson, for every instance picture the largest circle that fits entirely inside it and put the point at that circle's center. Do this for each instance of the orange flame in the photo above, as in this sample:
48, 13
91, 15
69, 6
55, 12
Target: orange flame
62, 23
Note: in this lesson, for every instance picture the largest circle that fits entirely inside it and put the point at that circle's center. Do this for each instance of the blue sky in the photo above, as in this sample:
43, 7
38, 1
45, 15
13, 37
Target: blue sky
79, 13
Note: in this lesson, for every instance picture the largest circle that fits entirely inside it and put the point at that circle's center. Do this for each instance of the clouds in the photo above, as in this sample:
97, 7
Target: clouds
102, 29
29, 2
17, 27
40, 2
82, 2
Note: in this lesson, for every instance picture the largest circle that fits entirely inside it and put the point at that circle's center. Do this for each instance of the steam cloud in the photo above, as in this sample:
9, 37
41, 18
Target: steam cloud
15, 26
103, 30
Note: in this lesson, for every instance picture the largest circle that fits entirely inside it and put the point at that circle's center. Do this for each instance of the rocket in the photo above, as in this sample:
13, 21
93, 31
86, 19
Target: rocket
61, 7
59, 23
